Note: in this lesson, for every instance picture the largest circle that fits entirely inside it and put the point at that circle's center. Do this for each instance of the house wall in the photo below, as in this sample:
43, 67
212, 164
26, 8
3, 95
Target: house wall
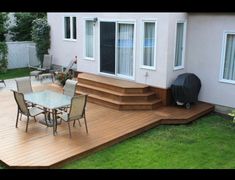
171, 73
63, 50
203, 55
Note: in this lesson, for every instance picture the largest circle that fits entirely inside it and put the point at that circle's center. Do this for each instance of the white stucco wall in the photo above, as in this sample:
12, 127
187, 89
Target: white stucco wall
63, 50
204, 48
171, 73
204, 36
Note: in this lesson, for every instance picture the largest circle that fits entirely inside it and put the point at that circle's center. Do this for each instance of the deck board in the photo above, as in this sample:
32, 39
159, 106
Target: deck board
40, 149
111, 81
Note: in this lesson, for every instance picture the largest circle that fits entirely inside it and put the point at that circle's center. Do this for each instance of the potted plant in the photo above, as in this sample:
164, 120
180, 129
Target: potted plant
62, 77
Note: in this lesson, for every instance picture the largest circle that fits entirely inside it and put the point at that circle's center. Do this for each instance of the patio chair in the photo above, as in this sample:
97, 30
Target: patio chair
77, 112
46, 66
69, 88
24, 85
24, 109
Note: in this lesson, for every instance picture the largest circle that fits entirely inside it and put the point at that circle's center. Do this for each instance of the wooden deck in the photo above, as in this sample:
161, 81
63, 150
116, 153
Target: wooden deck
40, 149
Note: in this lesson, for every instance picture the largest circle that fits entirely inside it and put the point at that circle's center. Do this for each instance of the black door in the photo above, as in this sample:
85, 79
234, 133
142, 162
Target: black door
107, 47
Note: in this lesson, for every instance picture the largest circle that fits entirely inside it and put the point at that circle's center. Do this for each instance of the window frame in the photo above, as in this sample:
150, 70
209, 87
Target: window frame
223, 52
84, 42
184, 45
142, 66
71, 28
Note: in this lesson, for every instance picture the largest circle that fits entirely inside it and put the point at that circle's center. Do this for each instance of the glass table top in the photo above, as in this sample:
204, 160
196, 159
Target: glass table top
48, 99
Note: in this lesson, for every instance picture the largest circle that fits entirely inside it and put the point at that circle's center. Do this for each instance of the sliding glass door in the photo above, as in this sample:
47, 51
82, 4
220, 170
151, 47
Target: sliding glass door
107, 47
117, 48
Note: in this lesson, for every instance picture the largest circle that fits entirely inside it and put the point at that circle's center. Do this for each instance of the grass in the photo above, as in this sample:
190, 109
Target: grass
13, 73
206, 143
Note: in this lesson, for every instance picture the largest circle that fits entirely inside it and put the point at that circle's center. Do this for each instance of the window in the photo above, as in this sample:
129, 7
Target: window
67, 28
74, 28
89, 39
149, 45
70, 28
228, 70
179, 47
125, 49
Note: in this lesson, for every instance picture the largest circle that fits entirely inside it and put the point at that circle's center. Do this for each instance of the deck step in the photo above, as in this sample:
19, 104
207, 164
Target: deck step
125, 97
144, 105
112, 84
116, 93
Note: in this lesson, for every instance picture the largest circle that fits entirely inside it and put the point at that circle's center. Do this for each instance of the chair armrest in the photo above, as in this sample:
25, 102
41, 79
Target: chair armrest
34, 67
41, 69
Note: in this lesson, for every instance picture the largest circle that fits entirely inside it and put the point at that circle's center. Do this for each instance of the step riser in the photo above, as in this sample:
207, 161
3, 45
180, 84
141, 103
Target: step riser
98, 84
116, 97
113, 88
103, 103
123, 107
117, 94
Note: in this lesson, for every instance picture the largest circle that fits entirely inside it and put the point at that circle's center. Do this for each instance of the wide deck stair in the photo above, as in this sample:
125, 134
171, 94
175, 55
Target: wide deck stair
117, 94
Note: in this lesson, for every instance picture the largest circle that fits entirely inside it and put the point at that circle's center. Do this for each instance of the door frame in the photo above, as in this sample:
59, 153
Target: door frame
118, 21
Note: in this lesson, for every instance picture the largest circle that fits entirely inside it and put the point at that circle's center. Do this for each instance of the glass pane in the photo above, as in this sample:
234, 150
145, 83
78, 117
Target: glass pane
229, 62
89, 39
67, 27
125, 49
149, 43
47, 99
179, 44
74, 28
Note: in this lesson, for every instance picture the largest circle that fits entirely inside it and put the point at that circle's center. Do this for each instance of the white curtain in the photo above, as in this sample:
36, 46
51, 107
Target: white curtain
149, 43
179, 44
125, 49
229, 63
89, 39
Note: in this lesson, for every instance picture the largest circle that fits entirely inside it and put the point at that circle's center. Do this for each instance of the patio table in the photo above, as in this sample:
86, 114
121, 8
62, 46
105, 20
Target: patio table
50, 101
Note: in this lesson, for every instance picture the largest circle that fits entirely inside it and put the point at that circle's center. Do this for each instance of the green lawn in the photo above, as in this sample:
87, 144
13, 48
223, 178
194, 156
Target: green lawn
13, 73
206, 143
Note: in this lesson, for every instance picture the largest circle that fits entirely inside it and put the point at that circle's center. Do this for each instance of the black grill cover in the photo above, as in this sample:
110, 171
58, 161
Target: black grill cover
185, 88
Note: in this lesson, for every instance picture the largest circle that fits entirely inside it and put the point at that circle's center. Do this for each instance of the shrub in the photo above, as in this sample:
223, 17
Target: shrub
41, 36
21, 30
3, 45
232, 114
3, 57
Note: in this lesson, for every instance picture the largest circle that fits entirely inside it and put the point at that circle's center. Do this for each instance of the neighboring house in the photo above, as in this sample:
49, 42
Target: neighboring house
151, 48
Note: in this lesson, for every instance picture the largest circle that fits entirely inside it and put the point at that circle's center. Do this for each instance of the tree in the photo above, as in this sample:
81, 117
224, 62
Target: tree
3, 45
21, 31
41, 36
3, 29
